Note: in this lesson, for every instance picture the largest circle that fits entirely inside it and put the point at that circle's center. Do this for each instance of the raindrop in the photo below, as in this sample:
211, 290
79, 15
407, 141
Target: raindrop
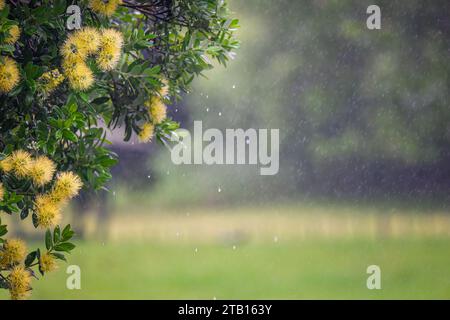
219, 189
275, 239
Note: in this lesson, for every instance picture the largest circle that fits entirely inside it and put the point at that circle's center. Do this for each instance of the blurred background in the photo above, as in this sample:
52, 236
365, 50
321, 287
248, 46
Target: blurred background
364, 178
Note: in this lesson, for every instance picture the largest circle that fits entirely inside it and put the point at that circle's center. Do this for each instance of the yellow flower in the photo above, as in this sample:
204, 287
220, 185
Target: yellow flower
2, 191
20, 283
42, 170
19, 163
111, 43
14, 251
146, 133
51, 80
5, 164
104, 7
47, 211
47, 262
73, 48
13, 35
79, 75
2, 4
9, 74
87, 40
66, 187
157, 109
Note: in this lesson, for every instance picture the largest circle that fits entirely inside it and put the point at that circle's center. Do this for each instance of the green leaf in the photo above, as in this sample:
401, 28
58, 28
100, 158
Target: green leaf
48, 239
30, 258
59, 256
65, 246
35, 220
56, 234
100, 101
69, 135
24, 213
67, 233
3, 230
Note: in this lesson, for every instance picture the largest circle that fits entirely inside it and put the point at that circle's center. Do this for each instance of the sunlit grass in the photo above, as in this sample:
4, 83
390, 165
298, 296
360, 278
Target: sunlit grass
276, 270
295, 252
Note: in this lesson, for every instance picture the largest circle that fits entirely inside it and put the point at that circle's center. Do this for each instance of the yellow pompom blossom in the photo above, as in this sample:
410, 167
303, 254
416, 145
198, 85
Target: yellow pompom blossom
51, 80
2, 4
104, 7
19, 163
157, 109
42, 170
111, 43
5, 165
9, 74
146, 133
87, 40
79, 75
14, 251
13, 35
47, 211
47, 262
74, 49
20, 283
67, 186
2, 192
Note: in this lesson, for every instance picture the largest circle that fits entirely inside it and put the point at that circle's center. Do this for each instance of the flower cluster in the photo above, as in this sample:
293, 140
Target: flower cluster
47, 262
13, 35
157, 111
9, 74
104, 7
55, 190
49, 205
20, 283
9, 70
105, 44
41, 171
51, 80
12, 255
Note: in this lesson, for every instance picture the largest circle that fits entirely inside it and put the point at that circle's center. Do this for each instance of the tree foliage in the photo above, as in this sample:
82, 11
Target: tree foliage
60, 90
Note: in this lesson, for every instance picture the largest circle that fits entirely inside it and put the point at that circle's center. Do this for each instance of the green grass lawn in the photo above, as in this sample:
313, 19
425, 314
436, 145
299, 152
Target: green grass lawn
310, 269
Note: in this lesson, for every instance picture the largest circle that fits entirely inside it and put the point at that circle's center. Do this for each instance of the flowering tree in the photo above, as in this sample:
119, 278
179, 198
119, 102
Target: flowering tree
59, 89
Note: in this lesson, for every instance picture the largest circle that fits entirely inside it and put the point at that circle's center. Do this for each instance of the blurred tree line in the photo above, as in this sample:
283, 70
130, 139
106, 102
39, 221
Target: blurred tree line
362, 113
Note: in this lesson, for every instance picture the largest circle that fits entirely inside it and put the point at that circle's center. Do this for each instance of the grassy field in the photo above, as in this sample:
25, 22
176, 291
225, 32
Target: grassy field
294, 270
296, 252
